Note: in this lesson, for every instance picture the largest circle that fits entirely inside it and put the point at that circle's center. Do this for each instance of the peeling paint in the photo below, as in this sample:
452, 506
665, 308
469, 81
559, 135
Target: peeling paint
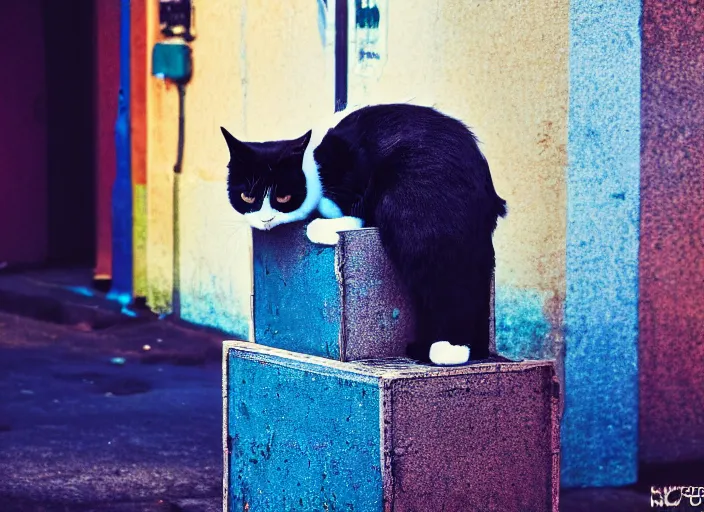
522, 329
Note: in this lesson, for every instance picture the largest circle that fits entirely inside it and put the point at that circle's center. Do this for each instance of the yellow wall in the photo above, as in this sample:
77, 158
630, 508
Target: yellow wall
501, 67
162, 115
260, 71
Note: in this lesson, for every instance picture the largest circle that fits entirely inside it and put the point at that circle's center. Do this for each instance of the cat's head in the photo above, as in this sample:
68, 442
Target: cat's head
265, 182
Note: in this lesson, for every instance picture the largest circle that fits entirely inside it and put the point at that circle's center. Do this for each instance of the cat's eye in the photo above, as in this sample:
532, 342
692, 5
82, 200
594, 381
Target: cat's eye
284, 199
246, 198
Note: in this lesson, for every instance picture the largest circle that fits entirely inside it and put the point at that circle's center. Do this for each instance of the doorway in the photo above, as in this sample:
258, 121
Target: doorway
47, 170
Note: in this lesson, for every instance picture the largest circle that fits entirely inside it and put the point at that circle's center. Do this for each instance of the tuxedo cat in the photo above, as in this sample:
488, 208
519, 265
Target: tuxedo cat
415, 174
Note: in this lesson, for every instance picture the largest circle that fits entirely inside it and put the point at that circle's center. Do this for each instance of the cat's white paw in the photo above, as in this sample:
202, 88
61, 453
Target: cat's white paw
321, 231
444, 353
325, 231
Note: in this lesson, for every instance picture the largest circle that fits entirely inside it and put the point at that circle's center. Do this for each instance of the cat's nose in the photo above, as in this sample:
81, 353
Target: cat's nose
268, 220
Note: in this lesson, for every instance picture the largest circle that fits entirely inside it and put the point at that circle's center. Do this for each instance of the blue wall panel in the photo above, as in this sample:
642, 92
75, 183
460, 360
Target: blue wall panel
601, 312
122, 276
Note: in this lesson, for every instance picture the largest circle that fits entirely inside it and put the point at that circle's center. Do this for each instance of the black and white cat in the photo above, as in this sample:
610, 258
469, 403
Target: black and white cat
415, 174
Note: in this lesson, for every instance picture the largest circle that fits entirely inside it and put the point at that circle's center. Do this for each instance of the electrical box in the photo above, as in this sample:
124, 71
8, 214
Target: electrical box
176, 18
171, 60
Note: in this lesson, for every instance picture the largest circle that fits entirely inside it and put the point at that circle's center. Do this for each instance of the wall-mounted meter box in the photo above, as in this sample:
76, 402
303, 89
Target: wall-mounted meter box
176, 18
171, 60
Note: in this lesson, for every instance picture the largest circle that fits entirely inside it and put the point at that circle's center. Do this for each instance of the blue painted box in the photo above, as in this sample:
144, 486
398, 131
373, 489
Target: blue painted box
342, 302
312, 434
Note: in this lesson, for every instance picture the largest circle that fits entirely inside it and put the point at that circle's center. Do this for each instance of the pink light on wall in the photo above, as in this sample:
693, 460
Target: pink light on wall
672, 233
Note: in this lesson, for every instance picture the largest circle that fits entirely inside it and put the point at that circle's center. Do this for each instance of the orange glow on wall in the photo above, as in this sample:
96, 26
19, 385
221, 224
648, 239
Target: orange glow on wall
138, 119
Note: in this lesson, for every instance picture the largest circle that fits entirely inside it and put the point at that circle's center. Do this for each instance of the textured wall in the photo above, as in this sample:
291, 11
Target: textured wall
501, 67
259, 70
292, 450
23, 127
264, 94
214, 247
672, 232
285, 69
601, 313
138, 120
162, 138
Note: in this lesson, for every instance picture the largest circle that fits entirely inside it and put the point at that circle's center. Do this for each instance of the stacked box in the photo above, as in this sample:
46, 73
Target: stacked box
314, 434
342, 302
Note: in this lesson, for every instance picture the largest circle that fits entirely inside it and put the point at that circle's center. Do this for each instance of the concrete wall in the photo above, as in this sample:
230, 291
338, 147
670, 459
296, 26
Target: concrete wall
501, 67
601, 313
259, 70
161, 143
248, 63
23, 135
139, 25
672, 233
567, 255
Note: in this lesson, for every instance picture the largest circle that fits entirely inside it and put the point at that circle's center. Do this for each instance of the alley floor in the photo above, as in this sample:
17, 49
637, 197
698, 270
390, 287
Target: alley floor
93, 421
100, 410
105, 412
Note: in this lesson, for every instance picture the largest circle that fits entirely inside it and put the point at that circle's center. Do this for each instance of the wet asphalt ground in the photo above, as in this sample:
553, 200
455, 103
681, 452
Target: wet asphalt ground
93, 421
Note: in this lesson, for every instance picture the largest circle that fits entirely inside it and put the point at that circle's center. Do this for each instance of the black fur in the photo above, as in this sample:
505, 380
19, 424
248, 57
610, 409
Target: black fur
420, 178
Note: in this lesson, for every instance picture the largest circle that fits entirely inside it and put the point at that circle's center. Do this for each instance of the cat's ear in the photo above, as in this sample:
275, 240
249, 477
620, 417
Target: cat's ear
300, 144
238, 149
